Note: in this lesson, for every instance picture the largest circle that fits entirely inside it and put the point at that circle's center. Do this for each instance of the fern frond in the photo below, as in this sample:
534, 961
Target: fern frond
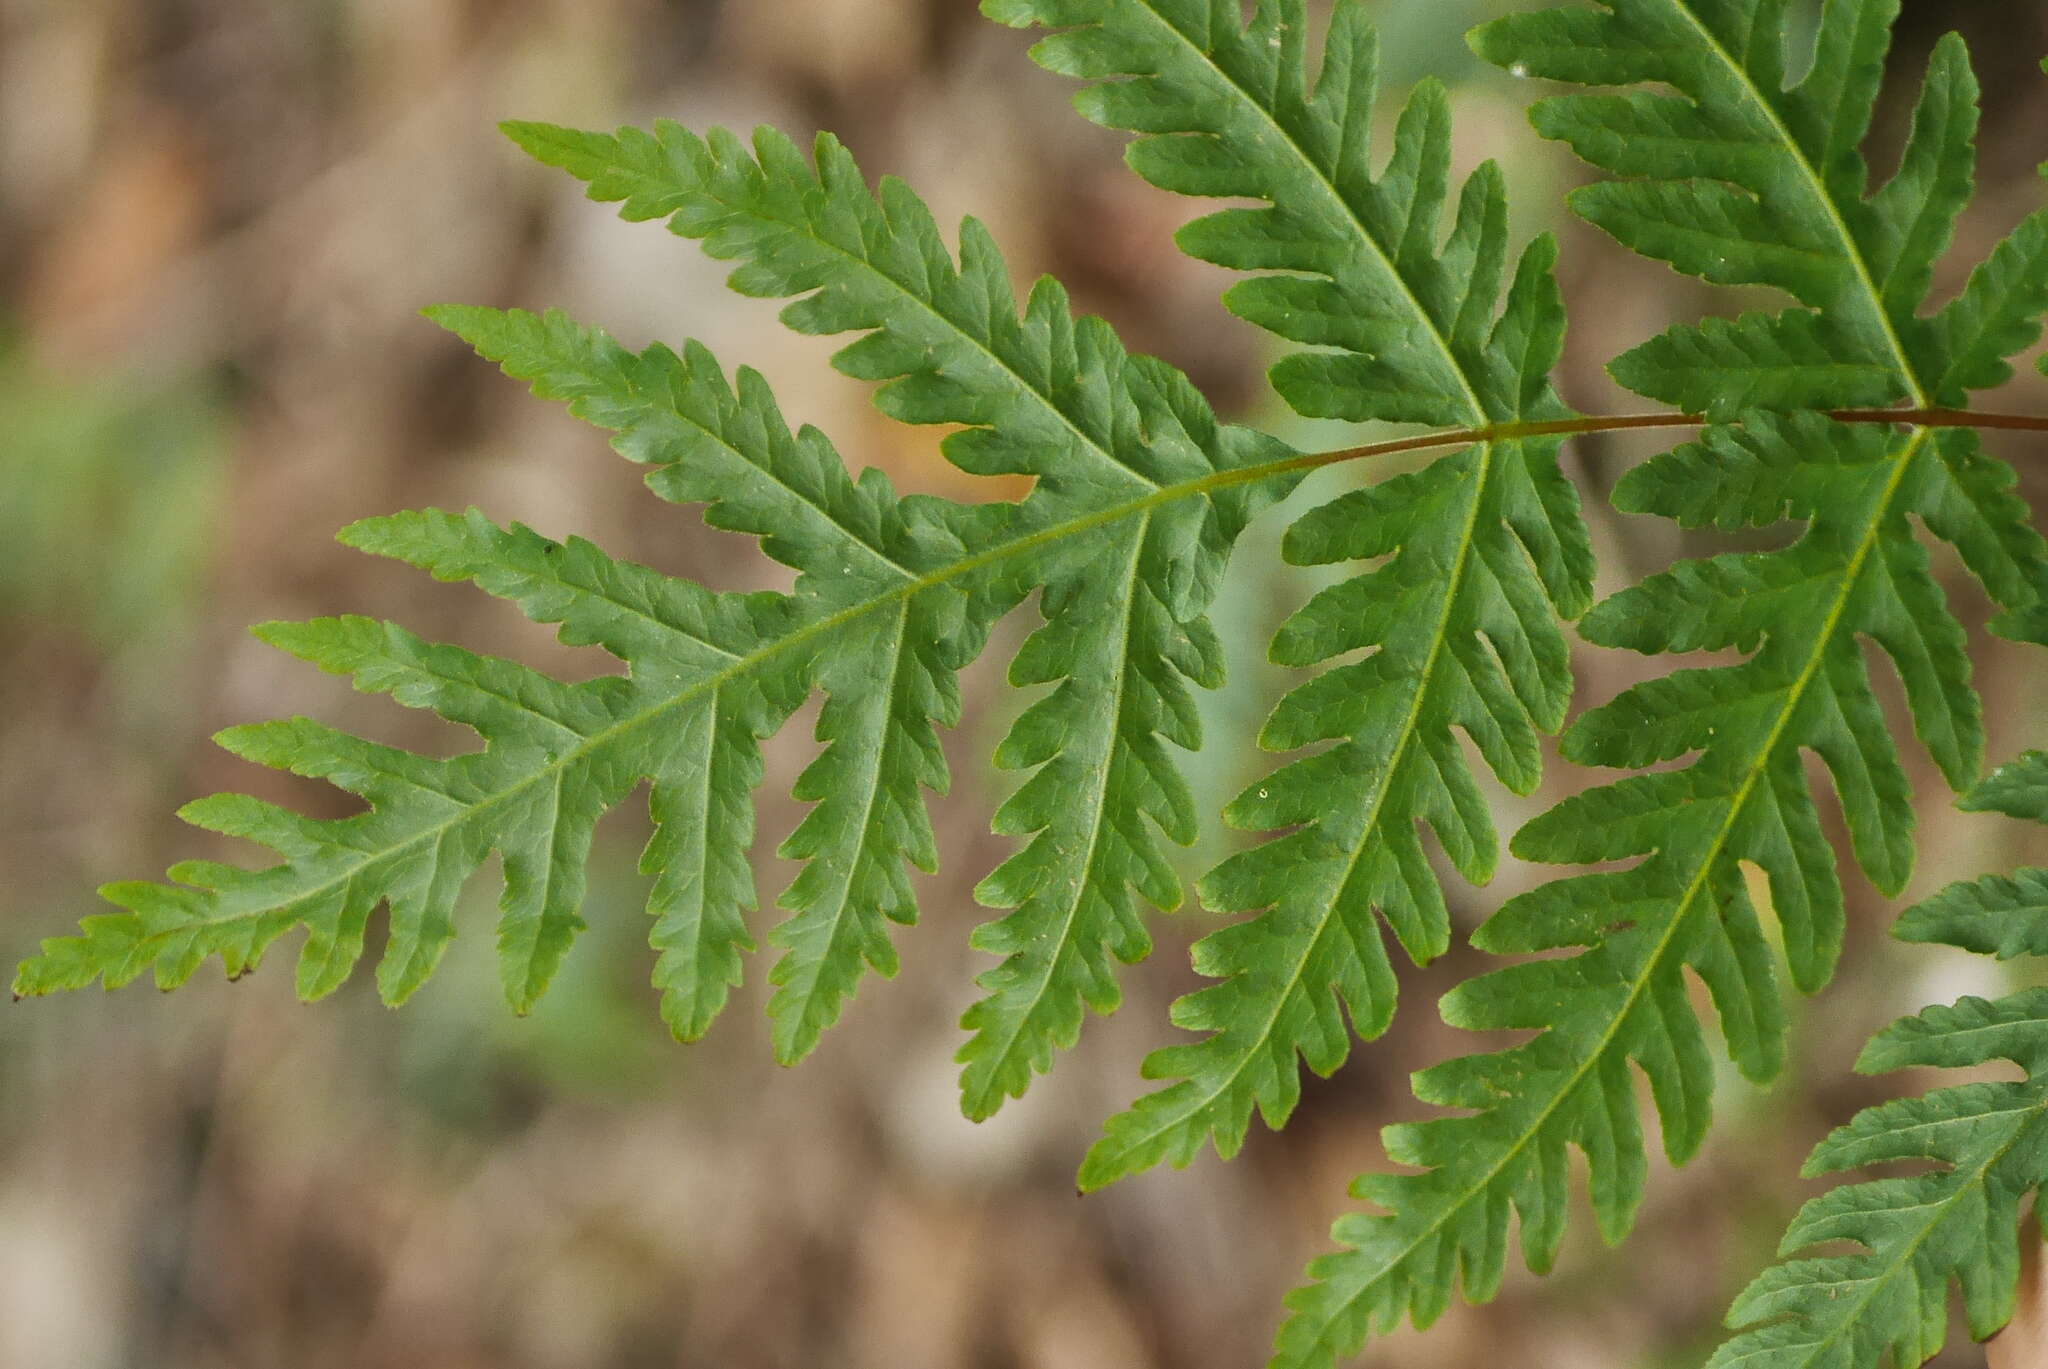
1988, 1142
1760, 185
1139, 493
1403, 322
1398, 306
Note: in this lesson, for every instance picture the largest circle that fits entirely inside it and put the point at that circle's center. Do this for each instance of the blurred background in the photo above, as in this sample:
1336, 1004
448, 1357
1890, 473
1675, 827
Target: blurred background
218, 219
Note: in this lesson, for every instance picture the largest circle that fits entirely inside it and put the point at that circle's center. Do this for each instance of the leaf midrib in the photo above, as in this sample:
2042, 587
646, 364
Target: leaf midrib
983, 1102
821, 627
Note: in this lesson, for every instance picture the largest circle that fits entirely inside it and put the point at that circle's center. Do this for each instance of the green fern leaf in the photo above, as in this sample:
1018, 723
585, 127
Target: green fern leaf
1058, 401
1139, 493
1486, 546
1741, 180
888, 678
556, 757
1744, 182
1960, 1220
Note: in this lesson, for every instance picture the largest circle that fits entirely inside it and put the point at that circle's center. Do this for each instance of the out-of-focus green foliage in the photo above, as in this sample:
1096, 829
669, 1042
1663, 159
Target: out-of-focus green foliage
104, 462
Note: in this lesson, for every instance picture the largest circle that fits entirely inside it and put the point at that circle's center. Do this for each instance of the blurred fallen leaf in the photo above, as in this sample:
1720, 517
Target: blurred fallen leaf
89, 286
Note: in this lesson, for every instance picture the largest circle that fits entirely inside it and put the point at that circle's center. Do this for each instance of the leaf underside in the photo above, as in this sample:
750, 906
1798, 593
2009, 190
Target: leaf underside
1396, 299
1138, 494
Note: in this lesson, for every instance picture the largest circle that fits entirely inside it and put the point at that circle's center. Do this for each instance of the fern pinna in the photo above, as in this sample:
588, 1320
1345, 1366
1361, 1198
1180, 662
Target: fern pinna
1988, 1143
1395, 305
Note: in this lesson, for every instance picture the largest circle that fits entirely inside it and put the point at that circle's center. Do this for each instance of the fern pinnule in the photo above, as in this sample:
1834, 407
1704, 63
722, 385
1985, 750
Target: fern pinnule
1399, 320
1739, 179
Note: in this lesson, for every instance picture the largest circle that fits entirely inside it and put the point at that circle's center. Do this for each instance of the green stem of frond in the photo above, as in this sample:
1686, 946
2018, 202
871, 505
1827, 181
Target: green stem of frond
1613, 423
1458, 437
1208, 484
